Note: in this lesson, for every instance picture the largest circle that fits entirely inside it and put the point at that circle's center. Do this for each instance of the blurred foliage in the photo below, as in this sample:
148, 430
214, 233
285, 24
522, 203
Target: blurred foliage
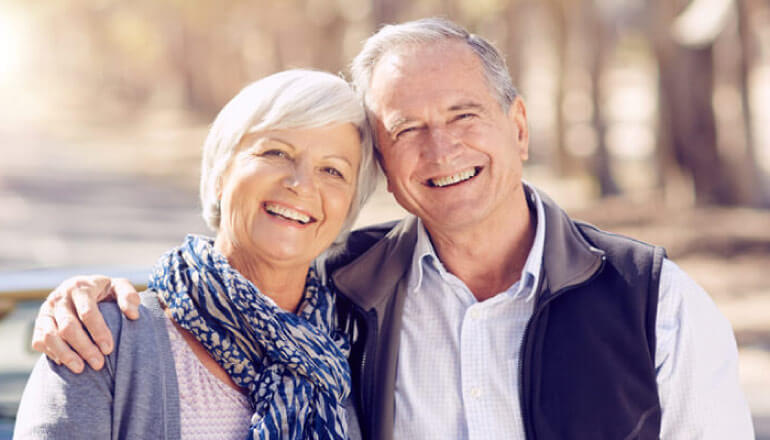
661, 97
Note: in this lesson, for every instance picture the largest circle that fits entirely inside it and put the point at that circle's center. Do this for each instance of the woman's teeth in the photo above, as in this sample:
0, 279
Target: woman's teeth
455, 178
287, 213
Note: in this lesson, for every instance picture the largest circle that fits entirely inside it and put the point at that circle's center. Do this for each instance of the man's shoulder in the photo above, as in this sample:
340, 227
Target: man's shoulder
609, 240
368, 235
356, 244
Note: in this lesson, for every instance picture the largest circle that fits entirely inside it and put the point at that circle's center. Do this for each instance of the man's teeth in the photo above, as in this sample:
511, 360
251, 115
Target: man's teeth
449, 180
287, 213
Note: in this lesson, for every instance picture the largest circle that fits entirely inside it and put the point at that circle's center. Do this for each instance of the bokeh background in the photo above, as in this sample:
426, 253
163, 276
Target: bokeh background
648, 117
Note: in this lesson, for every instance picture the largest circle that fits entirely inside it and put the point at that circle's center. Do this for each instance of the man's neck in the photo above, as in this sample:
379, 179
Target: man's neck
489, 256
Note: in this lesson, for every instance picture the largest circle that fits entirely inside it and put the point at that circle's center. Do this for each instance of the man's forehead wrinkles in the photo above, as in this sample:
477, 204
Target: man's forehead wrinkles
396, 122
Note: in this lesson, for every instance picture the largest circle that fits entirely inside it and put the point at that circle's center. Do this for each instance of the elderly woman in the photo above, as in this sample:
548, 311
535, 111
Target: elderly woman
237, 337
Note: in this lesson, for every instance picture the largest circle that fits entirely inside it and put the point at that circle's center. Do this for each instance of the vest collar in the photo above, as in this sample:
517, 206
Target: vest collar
370, 279
568, 258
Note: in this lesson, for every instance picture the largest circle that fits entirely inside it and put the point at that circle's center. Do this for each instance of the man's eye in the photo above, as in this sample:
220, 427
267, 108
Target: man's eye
333, 172
465, 116
405, 131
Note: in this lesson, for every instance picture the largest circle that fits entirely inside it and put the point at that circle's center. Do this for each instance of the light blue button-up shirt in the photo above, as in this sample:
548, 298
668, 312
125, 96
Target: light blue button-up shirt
458, 362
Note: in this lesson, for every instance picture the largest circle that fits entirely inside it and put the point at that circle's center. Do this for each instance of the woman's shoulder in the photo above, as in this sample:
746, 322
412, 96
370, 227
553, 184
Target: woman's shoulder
149, 309
146, 333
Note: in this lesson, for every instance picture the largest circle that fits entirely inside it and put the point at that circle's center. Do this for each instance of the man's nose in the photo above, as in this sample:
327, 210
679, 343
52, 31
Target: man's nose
442, 145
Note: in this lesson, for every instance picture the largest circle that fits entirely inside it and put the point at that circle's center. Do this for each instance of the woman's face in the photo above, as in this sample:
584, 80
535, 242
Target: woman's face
287, 193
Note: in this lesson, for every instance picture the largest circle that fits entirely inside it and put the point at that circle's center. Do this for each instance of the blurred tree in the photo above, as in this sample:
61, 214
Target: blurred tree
748, 31
562, 14
684, 37
146, 55
388, 11
602, 39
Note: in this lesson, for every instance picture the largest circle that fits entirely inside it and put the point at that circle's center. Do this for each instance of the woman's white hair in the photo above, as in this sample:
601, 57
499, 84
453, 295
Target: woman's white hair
291, 99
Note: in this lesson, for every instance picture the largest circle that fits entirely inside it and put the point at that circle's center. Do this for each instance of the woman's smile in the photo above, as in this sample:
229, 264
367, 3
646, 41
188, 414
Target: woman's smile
294, 217
287, 193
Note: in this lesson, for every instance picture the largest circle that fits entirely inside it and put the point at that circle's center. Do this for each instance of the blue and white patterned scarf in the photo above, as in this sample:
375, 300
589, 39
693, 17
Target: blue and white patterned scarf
294, 366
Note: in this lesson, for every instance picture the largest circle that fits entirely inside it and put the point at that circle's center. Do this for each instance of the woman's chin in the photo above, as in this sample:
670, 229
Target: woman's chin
290, 243
284, 250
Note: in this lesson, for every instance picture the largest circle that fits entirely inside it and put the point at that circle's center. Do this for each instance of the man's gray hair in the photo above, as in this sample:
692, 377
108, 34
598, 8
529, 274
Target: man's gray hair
292, 99
427, 31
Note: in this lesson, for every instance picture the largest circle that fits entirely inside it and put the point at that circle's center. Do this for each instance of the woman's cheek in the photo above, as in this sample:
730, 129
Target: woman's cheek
241, 218
342, 200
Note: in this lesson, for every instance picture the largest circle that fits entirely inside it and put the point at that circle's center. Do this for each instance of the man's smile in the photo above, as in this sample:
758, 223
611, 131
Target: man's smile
453, 179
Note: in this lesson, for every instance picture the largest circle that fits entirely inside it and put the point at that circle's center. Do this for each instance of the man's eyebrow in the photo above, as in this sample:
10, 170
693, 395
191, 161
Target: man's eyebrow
397, 123
393, 126
469, 105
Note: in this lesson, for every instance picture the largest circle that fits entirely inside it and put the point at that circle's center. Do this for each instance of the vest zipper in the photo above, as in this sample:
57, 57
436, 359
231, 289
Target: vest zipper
366, 393
526, 343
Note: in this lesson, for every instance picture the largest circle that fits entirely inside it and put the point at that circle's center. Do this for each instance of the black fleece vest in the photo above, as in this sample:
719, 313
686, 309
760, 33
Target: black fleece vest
588, 358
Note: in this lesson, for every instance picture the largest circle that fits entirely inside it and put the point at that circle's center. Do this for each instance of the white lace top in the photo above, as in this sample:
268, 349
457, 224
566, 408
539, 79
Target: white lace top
209, 408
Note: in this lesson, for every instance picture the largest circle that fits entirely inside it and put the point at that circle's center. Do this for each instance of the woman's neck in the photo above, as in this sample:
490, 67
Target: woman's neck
284, 284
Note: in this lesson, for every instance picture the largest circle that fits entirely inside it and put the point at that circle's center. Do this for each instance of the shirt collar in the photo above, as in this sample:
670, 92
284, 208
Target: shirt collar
425, 258
424, 254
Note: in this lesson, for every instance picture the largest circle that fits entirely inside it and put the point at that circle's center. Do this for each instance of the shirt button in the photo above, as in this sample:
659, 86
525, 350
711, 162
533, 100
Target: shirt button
475, 314
475, 392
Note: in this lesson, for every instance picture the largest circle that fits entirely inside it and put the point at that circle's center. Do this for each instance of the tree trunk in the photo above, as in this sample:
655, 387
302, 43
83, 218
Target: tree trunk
758, 181
686, 90
601, 41
385, 12
560, 13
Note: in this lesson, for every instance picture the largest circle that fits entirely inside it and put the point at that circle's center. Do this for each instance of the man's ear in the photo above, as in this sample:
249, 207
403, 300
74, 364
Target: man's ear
381, 164
517, 114
387, 180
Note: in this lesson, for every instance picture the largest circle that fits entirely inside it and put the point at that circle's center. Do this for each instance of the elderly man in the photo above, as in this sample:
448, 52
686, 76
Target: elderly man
489, 313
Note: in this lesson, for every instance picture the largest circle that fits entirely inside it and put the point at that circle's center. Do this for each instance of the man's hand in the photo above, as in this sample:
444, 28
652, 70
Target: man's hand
59, 331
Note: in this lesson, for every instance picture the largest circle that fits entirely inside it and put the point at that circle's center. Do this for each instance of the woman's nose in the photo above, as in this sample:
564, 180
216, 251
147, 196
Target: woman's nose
300, 180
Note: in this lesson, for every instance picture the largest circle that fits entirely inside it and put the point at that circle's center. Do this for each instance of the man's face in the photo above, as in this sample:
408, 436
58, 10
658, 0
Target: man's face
452, 156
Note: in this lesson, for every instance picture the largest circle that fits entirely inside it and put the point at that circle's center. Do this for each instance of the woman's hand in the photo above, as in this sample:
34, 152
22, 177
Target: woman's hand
59, 331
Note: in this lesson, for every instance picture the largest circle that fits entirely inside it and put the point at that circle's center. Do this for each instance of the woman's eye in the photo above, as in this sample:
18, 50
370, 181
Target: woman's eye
333, 172
274, 153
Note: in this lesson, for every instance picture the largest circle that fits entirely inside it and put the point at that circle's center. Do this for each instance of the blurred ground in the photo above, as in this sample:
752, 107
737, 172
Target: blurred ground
117, 196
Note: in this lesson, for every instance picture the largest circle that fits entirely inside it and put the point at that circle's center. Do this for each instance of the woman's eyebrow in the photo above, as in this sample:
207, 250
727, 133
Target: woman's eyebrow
279, 140
339, 157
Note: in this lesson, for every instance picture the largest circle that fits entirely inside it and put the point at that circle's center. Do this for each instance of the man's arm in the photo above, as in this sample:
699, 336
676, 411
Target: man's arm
697, 364
59, 331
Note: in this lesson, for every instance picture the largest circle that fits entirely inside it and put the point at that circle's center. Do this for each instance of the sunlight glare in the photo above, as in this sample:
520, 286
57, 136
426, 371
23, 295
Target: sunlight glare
11, 49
